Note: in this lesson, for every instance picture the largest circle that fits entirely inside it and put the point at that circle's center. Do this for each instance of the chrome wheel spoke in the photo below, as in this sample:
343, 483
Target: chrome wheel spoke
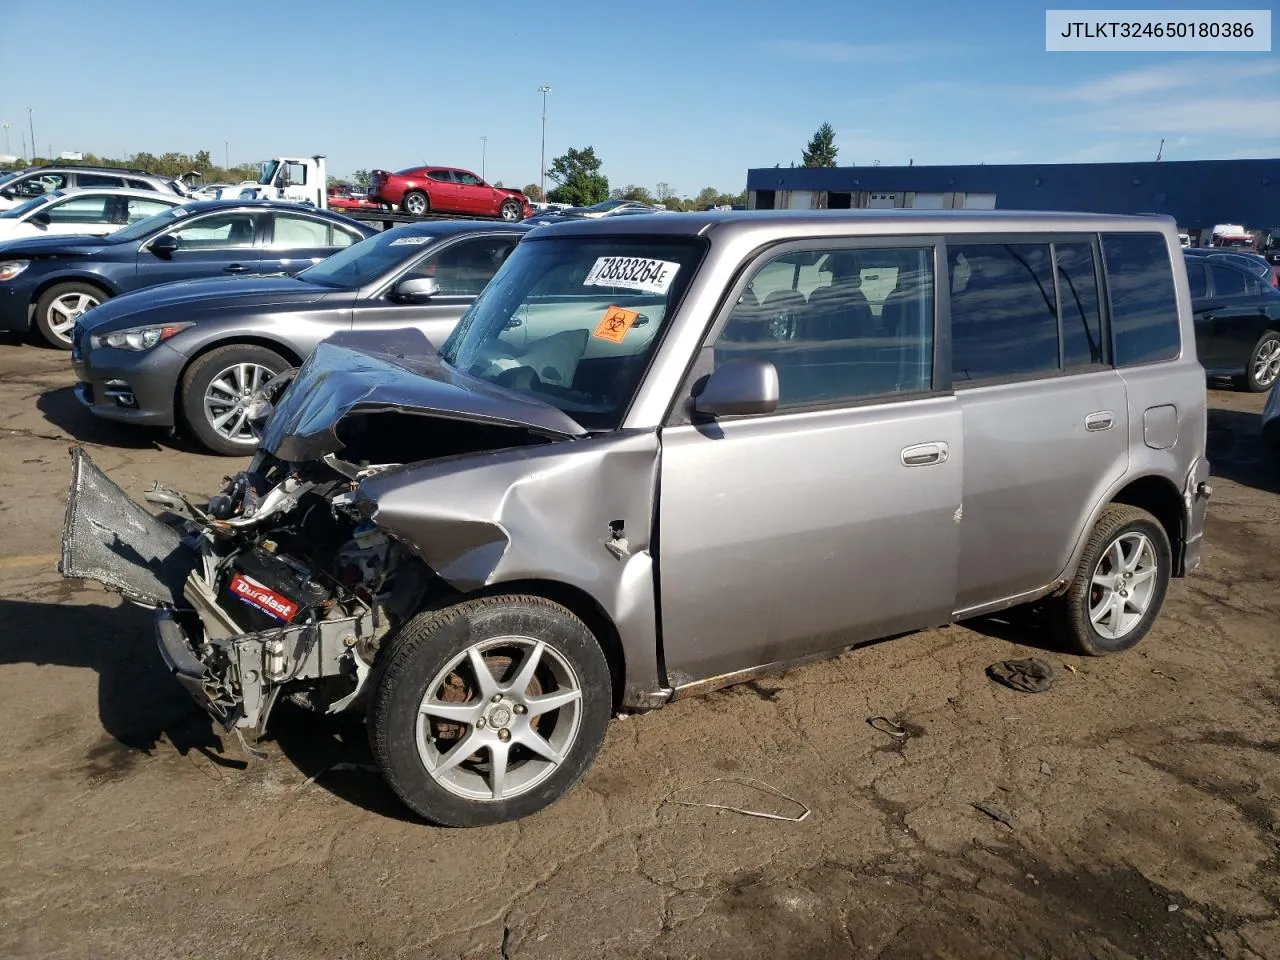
1142, 576
1107, 581
464, 748
552, 701
485, 682
498, 755
527, 669
536, 743
463, 713
221, 421
222, 386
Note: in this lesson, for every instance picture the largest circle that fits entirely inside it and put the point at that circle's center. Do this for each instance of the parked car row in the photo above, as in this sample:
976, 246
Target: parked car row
490, 544
21, 185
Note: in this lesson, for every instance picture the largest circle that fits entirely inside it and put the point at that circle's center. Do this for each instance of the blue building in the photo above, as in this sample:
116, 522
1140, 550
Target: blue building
1196, 193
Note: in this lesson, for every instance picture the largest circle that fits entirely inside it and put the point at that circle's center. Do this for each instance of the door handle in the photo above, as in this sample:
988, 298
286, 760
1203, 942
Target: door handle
235, 268
924, 454
1102, 420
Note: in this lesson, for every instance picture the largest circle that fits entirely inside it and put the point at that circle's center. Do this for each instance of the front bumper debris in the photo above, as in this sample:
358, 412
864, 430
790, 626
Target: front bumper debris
109, 538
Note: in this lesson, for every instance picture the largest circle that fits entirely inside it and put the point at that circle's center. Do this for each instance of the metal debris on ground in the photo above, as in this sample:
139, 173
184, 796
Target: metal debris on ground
748, 782
1031, 675
885, 725
995, 813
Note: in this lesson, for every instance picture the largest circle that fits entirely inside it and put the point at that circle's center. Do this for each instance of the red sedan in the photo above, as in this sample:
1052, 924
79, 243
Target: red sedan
420, 190
345, 197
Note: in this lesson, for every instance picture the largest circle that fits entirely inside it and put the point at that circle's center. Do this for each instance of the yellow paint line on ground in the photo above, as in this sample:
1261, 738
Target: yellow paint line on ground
35, 560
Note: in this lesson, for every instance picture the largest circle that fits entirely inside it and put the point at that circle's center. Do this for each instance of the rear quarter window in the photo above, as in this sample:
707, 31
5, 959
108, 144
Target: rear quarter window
1144, 307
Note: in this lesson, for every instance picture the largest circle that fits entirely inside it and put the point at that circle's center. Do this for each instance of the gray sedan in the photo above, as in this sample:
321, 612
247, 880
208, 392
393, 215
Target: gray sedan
191, 354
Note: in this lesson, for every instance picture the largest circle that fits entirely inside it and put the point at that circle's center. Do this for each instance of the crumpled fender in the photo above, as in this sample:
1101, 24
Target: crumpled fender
579, 513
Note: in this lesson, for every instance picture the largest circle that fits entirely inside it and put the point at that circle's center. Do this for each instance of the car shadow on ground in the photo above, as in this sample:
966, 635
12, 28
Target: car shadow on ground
1236, 451
61, 408
139, 703
141, 706
335, 752
1024, 626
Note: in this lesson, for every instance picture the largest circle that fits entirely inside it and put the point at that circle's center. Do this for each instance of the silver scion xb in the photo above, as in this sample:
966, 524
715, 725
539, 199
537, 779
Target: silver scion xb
661, 454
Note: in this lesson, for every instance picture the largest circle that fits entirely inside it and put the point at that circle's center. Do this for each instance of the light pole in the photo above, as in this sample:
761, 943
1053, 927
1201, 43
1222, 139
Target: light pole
484, 149
226, 154
33, 134
6, 139
542, 167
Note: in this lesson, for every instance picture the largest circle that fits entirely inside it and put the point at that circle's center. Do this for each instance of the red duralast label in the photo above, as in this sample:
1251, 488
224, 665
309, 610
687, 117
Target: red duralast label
265, 599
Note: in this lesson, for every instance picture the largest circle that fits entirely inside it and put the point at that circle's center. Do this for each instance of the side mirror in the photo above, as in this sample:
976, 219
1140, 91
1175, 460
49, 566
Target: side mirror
739, 388
417, 289
41, 219
165, 245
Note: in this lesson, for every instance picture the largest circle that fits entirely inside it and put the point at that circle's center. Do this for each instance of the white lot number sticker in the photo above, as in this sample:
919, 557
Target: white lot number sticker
409, 241
632, 273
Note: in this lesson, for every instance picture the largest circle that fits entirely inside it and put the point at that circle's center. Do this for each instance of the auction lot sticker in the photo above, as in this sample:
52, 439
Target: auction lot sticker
632, 273
1224, 31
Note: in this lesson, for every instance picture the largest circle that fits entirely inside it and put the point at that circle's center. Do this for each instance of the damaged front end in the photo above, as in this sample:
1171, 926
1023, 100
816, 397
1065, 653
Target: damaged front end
273, 587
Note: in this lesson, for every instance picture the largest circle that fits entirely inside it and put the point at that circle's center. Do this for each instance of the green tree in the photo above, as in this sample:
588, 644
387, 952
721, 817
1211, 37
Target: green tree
580, 181
533, 192
638, 194
821, 151
361, 179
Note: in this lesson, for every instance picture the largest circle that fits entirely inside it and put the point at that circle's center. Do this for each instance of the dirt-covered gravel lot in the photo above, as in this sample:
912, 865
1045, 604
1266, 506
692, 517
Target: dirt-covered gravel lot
1142, 791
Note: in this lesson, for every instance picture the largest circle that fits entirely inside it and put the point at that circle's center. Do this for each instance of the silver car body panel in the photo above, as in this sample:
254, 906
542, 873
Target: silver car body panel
715, 550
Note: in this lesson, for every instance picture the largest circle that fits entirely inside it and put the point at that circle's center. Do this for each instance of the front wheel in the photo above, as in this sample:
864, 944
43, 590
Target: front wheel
489, 710
415, 203
1264, 363
217, 391
60, 307
510, 211
1119, 586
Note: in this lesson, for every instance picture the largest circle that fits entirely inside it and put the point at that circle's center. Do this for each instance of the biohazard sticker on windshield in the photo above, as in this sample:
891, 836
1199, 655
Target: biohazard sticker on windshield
615, 323
632, 273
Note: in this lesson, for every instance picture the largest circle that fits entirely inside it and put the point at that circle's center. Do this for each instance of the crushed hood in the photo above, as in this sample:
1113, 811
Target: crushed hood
393, 370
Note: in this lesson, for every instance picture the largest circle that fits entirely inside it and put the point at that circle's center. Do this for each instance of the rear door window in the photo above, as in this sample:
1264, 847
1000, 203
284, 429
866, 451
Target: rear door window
98, 180
1004, 317
1227, 281
1144, 307
1197, 281
1080, 305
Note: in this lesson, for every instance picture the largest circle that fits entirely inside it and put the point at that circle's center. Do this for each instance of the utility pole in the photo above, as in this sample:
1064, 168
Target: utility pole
226, 154
30, 124
542, 167
6, 139
484, 149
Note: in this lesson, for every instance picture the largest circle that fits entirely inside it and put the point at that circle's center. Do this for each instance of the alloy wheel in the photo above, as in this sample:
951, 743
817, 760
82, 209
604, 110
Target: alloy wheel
1123, 585
1266, 362
510, 212
416, 204
227, 399
499, 718
66, 310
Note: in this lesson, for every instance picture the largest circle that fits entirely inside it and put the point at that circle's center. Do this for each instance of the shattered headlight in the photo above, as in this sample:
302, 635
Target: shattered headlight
140, 338
11, 268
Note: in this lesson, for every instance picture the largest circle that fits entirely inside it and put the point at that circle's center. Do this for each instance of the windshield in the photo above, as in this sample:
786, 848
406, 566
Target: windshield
607, 205
268, 171
8, 175
14, 213
143, 228
367, 260
573, 321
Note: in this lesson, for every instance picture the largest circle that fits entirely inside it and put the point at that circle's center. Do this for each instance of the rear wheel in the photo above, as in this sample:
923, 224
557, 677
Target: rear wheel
61, 306
1264, 363
415, 203
217, 389
510, 211
1119, 587
489, 710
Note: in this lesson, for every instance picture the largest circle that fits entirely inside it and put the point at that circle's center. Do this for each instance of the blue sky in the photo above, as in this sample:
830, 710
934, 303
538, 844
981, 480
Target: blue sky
690, 93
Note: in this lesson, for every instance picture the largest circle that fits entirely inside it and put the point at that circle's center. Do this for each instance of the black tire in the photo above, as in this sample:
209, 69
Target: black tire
1068, 615
510, 210
197, 379
46, 322
424, 647
1268, 343
415, 198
